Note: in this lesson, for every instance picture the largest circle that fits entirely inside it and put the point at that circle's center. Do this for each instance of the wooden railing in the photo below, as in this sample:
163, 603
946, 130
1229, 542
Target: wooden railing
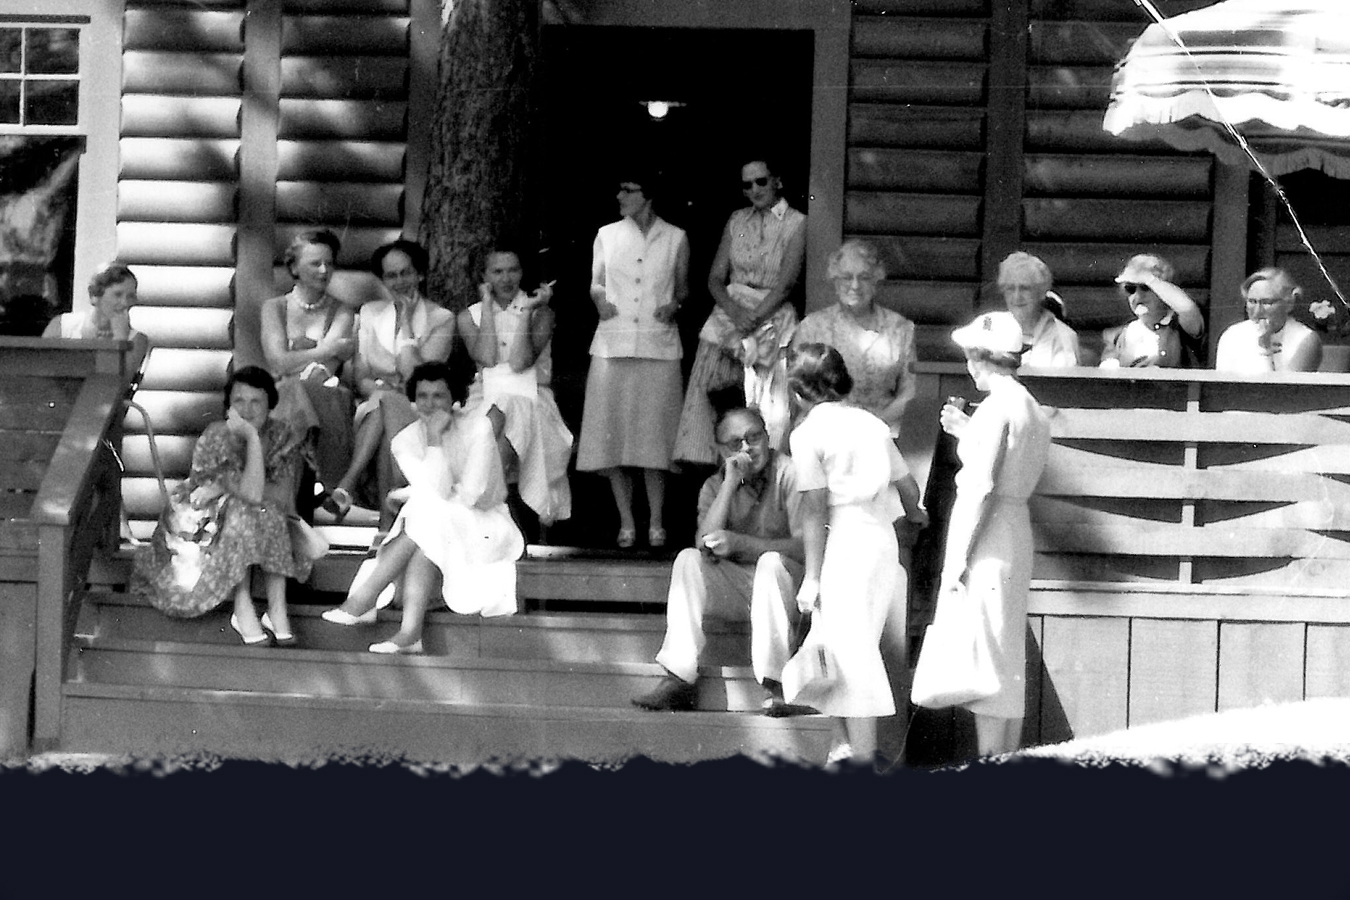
1192, 543
60, 417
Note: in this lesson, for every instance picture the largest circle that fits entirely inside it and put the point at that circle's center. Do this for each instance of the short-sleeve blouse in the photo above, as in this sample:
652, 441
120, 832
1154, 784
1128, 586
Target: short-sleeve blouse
849, 452
879, 360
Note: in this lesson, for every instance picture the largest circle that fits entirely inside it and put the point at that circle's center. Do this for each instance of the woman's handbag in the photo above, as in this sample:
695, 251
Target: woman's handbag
306, 542
811, 673
954, 667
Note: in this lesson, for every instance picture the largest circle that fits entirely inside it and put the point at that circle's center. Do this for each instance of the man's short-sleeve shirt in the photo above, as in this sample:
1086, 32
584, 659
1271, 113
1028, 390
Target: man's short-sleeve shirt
766, 507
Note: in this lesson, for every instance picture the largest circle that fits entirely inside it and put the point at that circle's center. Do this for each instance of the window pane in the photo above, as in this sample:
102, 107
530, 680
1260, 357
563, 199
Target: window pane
52, 103
10, 48
53, 51
9, 102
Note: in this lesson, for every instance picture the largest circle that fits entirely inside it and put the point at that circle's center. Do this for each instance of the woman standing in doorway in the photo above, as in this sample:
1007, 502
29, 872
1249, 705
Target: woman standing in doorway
639, 277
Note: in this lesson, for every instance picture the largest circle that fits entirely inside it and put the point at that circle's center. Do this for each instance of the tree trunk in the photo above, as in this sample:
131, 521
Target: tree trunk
479, 189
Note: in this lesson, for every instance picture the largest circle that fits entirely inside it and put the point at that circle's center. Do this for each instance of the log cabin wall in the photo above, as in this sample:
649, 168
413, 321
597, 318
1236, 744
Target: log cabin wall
975, 130
245, 121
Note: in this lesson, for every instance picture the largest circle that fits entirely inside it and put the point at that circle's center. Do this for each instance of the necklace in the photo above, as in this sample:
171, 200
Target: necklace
311, 307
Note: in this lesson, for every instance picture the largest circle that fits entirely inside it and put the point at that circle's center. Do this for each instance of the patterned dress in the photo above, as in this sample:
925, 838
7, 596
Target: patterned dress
880, 360
758, 244
200, 551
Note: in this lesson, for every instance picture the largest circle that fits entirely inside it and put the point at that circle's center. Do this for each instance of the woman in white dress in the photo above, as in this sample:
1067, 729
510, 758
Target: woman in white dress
854, 485
509, 335
1002, 446
396, 334
454, 531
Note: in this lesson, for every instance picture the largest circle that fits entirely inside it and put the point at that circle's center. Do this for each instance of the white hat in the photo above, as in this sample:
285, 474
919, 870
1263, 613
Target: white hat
997, 332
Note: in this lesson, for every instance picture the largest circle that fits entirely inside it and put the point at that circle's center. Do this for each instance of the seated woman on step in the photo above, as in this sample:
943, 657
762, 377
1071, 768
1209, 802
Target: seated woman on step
396, 334
453, 532
235, 513
306, 338
509, 335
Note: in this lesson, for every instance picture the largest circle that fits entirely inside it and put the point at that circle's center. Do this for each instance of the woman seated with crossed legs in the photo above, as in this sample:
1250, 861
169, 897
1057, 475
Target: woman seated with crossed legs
453, 531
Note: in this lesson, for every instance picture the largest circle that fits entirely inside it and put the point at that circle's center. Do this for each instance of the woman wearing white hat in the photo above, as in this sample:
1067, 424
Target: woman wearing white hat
1002, 447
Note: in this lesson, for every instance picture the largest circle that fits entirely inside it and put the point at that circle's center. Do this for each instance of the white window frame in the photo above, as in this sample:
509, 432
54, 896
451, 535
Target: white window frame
100, 24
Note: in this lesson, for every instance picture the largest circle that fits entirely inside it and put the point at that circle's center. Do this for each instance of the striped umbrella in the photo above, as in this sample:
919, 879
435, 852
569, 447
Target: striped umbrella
1276, 71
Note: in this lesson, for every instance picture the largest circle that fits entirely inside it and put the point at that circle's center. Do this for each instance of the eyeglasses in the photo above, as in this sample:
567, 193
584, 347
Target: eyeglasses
862, 278
761, 181
754, 436
1131, 289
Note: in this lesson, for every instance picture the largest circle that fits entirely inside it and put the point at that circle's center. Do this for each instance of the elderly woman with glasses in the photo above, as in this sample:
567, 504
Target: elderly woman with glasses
1168, 328
1025, 281
744, 341
1269, 340
877, 343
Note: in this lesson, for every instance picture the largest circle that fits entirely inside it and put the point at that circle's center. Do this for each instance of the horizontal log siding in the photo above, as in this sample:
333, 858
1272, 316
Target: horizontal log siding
340, 153
340, 147
916, 137
177, 205
1092, 200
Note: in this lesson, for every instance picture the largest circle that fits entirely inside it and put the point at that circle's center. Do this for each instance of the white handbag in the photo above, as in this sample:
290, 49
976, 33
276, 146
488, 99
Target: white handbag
811, 673
954, 667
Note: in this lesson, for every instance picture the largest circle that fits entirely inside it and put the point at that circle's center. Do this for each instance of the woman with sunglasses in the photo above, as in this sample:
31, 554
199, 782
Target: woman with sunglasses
1168, 328
744, 342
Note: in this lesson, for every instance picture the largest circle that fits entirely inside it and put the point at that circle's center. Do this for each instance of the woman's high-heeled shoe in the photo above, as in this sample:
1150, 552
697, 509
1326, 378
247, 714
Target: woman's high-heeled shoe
339, 616
391, 647
627, 538
339, 503
261, 640
282, 640
656, 537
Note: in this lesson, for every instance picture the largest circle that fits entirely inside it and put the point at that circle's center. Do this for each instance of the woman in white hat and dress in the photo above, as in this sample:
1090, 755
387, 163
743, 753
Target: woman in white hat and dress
1002, 447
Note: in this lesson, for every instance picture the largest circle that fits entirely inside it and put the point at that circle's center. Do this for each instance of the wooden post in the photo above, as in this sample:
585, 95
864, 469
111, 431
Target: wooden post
424, 36
255, 241
1228, 250
1005, 135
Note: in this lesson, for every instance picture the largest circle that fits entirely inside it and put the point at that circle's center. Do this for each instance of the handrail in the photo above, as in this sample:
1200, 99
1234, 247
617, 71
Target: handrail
76, 506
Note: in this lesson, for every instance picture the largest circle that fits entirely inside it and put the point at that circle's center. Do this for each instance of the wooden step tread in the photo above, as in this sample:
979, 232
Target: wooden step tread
163, 721
237, 650
429, 707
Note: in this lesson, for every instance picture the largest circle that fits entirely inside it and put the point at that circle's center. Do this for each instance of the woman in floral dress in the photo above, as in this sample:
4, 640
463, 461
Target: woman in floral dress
231, 516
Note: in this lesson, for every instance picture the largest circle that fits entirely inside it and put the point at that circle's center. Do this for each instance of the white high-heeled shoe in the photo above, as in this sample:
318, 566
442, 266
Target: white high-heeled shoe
392, 648
283, 640
261, 639
339, 616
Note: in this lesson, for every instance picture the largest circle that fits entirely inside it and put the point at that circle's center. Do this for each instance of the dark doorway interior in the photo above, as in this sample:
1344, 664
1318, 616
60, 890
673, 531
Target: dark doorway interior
743, 94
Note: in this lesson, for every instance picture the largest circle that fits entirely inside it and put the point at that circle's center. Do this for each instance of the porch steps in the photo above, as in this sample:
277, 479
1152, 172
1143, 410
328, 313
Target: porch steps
531, 686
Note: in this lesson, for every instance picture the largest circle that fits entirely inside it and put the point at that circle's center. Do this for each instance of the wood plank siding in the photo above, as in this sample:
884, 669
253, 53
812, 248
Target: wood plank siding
975, 130
243, 122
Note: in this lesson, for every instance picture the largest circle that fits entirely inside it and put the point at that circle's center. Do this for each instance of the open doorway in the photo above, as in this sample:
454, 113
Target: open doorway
734, 94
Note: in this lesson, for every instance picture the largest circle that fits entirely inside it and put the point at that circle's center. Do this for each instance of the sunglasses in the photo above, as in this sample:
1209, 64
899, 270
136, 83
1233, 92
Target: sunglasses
761, 181
1132, 289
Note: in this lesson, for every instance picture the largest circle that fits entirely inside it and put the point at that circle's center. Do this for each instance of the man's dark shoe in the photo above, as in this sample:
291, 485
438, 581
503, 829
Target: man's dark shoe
672, 694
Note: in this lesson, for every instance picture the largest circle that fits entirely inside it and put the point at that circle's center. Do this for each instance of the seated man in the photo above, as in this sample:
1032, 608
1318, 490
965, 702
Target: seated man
1168, 329
1269, 341
747, 564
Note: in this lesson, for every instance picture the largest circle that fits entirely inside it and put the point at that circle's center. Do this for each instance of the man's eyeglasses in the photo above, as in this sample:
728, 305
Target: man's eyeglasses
1131, 289
757, 436
761, 181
